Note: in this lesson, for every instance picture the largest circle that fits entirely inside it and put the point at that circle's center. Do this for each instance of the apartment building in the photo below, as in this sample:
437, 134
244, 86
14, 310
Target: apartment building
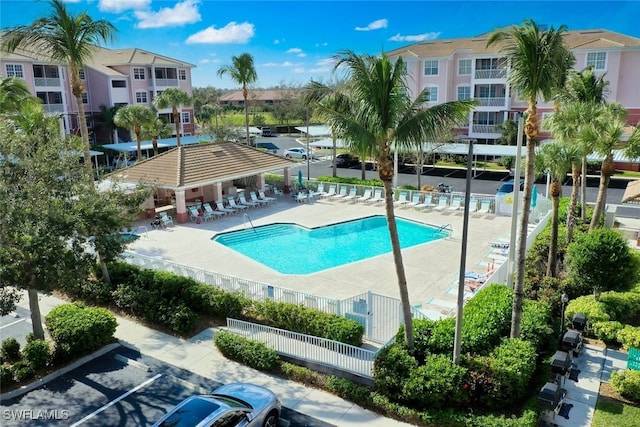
113, 77
259, 97
466, 68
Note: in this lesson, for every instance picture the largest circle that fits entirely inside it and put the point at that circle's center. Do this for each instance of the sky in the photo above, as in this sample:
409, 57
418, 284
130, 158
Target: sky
293, 42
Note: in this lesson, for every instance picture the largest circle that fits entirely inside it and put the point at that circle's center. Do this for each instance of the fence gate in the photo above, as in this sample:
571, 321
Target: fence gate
380, 315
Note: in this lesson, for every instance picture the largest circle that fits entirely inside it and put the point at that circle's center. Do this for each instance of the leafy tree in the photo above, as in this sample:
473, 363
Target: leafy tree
382, 115
243, 72
13, 92
105, 119
134, 117
539, 59
203, 96
173, 98
508, 132
155, 129
69, 39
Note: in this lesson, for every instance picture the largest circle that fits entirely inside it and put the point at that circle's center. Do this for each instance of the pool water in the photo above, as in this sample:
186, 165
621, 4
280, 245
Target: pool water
292, 249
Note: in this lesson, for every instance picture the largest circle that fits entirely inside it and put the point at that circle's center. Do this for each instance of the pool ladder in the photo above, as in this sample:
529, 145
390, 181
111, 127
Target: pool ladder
446, 227
245, 219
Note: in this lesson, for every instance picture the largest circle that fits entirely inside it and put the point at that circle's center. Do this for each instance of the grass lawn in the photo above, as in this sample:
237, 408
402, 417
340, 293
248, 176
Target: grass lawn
612, 414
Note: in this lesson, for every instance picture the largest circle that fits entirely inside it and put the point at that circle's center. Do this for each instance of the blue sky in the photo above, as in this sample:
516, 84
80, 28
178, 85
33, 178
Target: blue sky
293, 41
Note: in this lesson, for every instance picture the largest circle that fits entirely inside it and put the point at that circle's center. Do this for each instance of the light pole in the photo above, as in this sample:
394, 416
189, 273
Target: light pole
564, 299
308, 152
514, 208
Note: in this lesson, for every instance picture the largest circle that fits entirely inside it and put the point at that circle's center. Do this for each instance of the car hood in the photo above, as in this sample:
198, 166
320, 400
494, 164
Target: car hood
256, 396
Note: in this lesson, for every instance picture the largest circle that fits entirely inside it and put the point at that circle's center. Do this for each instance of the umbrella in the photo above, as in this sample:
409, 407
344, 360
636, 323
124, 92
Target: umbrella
300, 178
534, 196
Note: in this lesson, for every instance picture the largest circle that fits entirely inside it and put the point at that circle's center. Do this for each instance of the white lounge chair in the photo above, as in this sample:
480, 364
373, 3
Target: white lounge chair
377, 196
331, 192
473, 205
456, 204
427, 203
402, 199
366, 196
302, 197
353, 193
263, 196
221, 208
320, 193
234, 205
485, 207
415, 200
196, 216
244, 201
214, 213
255, 199
442, 204
341, 194
166, 219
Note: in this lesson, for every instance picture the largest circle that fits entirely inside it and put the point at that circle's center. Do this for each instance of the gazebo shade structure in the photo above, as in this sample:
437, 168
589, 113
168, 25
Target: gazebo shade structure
550, 396
579, 322
632, 193
561, 363
572, 341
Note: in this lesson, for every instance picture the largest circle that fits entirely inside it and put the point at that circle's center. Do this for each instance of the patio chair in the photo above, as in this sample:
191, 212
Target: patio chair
415, 200
366, 196
377, 196
473, 205
427, 202
165, 219
234, 205
456, 204
442, 204
320, 193
245, 202
353, 193
485, 207
221, 208
263, 196
302, 197
214, 213
331, 192
196, 216
255, 199
402, 199
341, 194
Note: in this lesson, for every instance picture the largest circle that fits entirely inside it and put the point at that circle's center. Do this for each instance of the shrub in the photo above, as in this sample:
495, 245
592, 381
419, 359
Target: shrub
430, 336
251, 353
594, 310
392, 367
301, 374
30, 337
37, 354
77, 329
356, 393
607, 331
182, 319
627, 383
602, 260
487, 318
534, 324
22, 371
512, 366
436, 384
10, 351
622, 306
6, 377
629, 336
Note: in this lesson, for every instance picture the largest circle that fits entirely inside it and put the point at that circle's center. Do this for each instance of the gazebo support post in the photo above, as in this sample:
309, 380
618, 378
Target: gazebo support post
181, 207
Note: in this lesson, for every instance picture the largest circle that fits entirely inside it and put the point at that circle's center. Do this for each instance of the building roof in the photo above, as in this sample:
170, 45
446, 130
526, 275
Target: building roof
134, 56
578, 39
260, 95
191, 166
632, 193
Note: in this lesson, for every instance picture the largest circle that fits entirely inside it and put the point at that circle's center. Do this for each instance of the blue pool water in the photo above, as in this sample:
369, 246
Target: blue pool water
292, 249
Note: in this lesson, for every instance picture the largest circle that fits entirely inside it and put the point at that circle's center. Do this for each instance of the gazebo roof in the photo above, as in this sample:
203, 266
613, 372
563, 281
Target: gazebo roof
191, 166
632, 193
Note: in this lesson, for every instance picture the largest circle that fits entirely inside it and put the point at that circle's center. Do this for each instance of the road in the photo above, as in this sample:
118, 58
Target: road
120, 388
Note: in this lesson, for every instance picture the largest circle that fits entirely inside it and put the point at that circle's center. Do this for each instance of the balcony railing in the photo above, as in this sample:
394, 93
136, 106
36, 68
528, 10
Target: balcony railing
484, 129
491, 101
53, 108
167, 82
47, 81
495, 73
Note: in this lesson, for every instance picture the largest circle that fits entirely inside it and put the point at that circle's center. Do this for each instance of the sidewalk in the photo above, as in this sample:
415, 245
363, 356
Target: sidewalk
200, 356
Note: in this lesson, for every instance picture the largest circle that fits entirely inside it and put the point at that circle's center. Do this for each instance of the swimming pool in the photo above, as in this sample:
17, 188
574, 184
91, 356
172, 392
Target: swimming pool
292, 249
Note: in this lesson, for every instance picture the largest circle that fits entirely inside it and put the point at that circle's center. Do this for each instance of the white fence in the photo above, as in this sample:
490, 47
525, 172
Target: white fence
306, 347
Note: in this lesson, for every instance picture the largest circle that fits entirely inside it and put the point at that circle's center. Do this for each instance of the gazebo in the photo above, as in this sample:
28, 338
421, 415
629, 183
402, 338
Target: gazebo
632, 193
199, 173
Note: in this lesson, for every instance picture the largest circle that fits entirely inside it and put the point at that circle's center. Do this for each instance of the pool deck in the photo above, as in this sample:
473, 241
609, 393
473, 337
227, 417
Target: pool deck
431, 268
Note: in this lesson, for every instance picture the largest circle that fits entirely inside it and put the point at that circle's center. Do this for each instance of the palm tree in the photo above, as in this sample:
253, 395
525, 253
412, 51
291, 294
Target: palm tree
69, 39
244, 73
538, 59
105, 119
134, 117
556, 159
155, 129
382, 115
173, 98
13, 93
603, 133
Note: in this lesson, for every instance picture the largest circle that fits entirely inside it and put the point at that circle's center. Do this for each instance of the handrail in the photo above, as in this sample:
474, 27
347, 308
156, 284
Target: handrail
245, 219
446, 227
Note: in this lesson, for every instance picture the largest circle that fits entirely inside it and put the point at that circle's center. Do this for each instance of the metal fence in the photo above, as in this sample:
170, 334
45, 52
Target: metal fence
306, 347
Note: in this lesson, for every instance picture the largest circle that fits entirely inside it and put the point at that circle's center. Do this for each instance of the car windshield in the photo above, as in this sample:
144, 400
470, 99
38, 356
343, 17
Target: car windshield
506, 188
233, 402
191, 413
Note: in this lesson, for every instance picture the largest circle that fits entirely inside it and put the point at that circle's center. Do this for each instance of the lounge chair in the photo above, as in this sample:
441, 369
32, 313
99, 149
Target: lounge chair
302, 197
485, 207
320, 193
353, 193
377, 196
366, 196
331, 192
221, 208
415, 200
473, 205
456, 204
214, 213
165, 219
255, 199
196, 216
234, 205
442, 204
341, 194
244, 201
427, 203
263, 196
402, 199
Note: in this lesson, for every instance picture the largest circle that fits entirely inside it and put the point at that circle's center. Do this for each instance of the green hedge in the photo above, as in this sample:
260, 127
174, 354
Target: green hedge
249, 352
629, 336
298, 318
587, 305
512, 365
10, 350
77, 329
607, 331
351, 181
622, 306
627, 383
435, 385
37, 354
392, 368
534, 324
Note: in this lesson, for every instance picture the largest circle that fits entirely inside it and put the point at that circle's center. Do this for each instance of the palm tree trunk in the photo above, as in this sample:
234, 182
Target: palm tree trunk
77, 89
397, 260
34, 307
571, 212
136, 130
335, 166
363, 168
553, 241
605, 176
176, 119
154, 141
245, 95
583, 190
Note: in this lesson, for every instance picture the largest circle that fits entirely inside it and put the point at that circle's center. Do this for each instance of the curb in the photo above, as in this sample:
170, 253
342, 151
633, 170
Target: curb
35, 384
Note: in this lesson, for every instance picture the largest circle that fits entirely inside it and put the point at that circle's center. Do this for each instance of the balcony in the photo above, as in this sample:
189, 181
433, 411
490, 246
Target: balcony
47, 81
53, 108
491, 101
493, 73
484, 129
166, 82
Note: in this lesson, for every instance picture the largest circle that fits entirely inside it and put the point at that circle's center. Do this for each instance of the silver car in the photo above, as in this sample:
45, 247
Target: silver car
297, 153
232, 405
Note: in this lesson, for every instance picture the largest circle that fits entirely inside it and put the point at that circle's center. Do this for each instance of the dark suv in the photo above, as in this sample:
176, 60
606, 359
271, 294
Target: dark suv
346, 160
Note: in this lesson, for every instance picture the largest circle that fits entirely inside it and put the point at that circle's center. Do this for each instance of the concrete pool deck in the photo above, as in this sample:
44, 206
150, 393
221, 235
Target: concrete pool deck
431, 268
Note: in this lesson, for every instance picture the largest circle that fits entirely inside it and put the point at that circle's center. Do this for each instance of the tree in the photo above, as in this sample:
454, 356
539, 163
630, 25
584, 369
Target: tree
134, 117
556, 160
243, 72
155, 129
13, 92
203, 96
603, 133
173, 98
538, 60
105, 120
69, 39
382, 115
508, 132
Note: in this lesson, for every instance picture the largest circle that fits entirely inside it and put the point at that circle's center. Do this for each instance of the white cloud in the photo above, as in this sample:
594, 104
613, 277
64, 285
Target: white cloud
184, 12
416, 37
301, 55
298, 70
276, 41
230, 33
375, 25
118, 6
205, 61
275, 64
294, 50
321, 44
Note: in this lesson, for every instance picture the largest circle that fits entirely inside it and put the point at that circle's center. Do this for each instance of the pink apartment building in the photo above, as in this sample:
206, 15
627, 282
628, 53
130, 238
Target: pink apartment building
465, 68
114, 77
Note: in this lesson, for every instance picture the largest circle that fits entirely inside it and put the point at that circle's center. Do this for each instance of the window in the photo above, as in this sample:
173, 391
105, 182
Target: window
141, 97
85, 98
82, 74
182, 74
118, 83
464, 67
49, 71
432, 93
464, 92
597, 60
14, 70
138, 74
431, 67
50, 97
186, 118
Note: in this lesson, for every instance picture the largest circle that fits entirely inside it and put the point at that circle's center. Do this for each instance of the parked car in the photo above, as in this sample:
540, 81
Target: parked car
231, 405
346, 160
507, 187
297, 153
266, 131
